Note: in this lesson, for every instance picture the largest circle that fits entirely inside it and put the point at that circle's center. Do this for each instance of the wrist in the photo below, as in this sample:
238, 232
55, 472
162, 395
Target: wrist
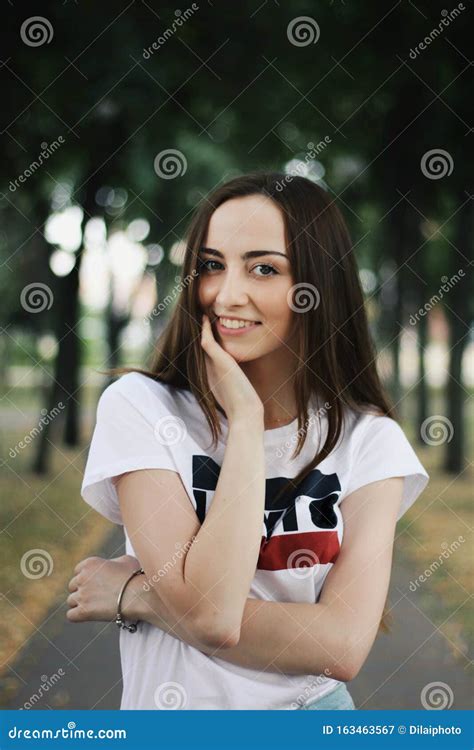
247, 422
144, 604
134, 606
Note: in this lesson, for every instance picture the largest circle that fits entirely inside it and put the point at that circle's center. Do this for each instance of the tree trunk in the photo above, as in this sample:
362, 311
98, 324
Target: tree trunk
65, 385
458, 311
454, 459
422, 388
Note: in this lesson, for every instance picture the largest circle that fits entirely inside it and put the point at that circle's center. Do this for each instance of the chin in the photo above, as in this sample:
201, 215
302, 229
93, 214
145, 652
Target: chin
241, 355
238, 352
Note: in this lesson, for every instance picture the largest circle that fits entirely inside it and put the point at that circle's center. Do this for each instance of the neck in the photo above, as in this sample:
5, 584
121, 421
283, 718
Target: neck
272, 376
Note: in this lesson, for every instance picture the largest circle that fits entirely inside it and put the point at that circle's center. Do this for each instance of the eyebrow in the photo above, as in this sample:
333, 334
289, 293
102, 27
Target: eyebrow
244, 256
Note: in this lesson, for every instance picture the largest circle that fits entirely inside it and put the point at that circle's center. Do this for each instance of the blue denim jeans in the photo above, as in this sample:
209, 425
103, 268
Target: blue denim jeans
338, 699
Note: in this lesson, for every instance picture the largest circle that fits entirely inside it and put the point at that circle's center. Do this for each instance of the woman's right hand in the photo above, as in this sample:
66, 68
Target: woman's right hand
229, 384
96, 585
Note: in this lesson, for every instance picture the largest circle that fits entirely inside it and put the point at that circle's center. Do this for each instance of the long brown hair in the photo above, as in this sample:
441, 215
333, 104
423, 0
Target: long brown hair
336, 356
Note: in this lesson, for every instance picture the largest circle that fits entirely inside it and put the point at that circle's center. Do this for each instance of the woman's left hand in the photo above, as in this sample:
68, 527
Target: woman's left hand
96, 585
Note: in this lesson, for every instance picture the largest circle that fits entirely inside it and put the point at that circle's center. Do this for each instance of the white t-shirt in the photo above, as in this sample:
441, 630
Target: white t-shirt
144, 424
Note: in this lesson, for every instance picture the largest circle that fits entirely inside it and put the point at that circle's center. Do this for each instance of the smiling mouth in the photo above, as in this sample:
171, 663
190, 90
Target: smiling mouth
236, 324
228, 326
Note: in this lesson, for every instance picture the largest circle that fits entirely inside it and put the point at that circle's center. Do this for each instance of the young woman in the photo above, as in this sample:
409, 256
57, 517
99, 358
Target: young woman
257, 469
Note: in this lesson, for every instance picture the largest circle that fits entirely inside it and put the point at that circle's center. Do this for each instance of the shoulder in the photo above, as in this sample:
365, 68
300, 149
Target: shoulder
143, 393
371, 424
380, 450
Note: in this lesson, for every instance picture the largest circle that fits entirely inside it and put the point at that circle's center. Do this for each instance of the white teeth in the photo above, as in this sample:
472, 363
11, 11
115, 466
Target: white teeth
228, 323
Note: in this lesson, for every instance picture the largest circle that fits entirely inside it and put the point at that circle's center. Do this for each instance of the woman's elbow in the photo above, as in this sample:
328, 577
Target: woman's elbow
345, 672
349, 665
214, 632
225, 639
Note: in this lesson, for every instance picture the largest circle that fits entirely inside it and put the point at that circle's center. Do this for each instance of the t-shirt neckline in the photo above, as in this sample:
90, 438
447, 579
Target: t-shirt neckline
276, 434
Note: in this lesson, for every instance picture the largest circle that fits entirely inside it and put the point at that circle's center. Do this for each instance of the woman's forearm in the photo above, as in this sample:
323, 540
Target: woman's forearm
280, 637
143, 604
220, 566
292, 638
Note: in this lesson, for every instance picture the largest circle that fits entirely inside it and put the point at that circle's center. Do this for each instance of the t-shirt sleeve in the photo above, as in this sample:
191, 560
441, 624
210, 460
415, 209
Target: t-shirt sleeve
384, 451
125, 438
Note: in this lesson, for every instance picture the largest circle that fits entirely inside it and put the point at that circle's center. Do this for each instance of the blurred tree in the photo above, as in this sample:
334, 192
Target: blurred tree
234, 91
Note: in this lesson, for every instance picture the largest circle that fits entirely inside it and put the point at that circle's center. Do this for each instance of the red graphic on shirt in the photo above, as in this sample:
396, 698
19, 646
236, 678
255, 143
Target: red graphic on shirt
300, 521
306, 549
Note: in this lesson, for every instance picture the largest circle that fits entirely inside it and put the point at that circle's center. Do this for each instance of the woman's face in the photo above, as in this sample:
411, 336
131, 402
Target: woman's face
250, 288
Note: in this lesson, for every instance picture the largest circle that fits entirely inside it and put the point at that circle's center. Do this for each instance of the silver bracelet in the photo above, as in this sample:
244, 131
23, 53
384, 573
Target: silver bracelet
118, 619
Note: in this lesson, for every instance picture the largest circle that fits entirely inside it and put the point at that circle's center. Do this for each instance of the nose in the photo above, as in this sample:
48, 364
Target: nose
232, 290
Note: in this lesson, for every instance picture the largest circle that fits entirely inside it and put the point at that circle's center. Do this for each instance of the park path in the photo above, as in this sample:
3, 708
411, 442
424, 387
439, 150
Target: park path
398, 669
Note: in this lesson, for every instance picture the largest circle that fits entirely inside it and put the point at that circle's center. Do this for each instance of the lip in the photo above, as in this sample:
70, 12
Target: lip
235, 331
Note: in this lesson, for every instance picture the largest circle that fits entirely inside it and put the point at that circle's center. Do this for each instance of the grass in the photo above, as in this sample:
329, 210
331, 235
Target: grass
425, 536
442, 516
40, 513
